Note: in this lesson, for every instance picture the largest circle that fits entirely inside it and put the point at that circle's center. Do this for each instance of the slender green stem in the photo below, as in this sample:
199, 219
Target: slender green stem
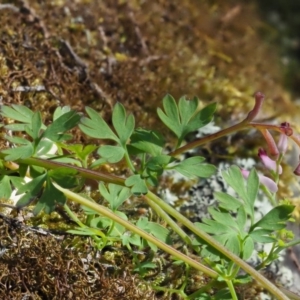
81, 225
111, 228
278, 162
235, 271
232, 290
170, 222
74, 217
129, 226
232, 270
170, 291
268, 259
237, 127
201, 141
128, 161
212, 284
216, 245
86, 173
269, 195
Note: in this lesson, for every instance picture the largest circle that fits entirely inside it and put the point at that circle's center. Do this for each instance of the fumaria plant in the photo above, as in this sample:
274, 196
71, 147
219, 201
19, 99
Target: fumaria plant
41, 167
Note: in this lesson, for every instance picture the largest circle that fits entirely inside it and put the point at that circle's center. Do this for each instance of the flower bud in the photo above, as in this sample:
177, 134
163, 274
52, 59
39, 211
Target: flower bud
259, 98
272, 147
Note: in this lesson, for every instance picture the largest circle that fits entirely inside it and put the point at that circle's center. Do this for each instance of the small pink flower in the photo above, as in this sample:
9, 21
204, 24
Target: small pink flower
266, 181
283, 139
282, 143
268, 162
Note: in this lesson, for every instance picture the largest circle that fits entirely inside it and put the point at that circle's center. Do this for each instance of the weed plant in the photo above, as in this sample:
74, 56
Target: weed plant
40, 166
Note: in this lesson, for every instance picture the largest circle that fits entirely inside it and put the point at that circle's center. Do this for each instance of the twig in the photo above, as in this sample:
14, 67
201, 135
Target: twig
103, 36
26, 89
65, 46
9, 6
83, 70
139, 34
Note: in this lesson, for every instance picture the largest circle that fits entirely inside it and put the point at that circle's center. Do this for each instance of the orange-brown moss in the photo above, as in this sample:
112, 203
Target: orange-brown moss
135, 52
43, 267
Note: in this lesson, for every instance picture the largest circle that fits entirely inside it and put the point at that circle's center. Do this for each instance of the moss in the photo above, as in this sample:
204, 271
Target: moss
40, 265
96, 53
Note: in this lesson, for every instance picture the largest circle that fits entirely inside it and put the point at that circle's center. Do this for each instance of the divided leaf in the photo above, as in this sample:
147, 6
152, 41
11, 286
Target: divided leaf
5, 187
51, 196
20, 152
19, 113
115, 229
234, 178
59, 111
227, 230
262, 236
55, 132
193, 166
207, 251
184, 118
225, 234
137, 185
45, 148
212, 227
200, 119
96, 127
227, 201
223, 217
252, 190
246, 189
155, 229
31, 189
36, 125
171, 115
111, 154
248, 247
146, 141
275, 219
123, 125
129, 238
187, 109
241, 218
114, 194
65, 177
158, 163
159, 231
231, 241
81, 151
